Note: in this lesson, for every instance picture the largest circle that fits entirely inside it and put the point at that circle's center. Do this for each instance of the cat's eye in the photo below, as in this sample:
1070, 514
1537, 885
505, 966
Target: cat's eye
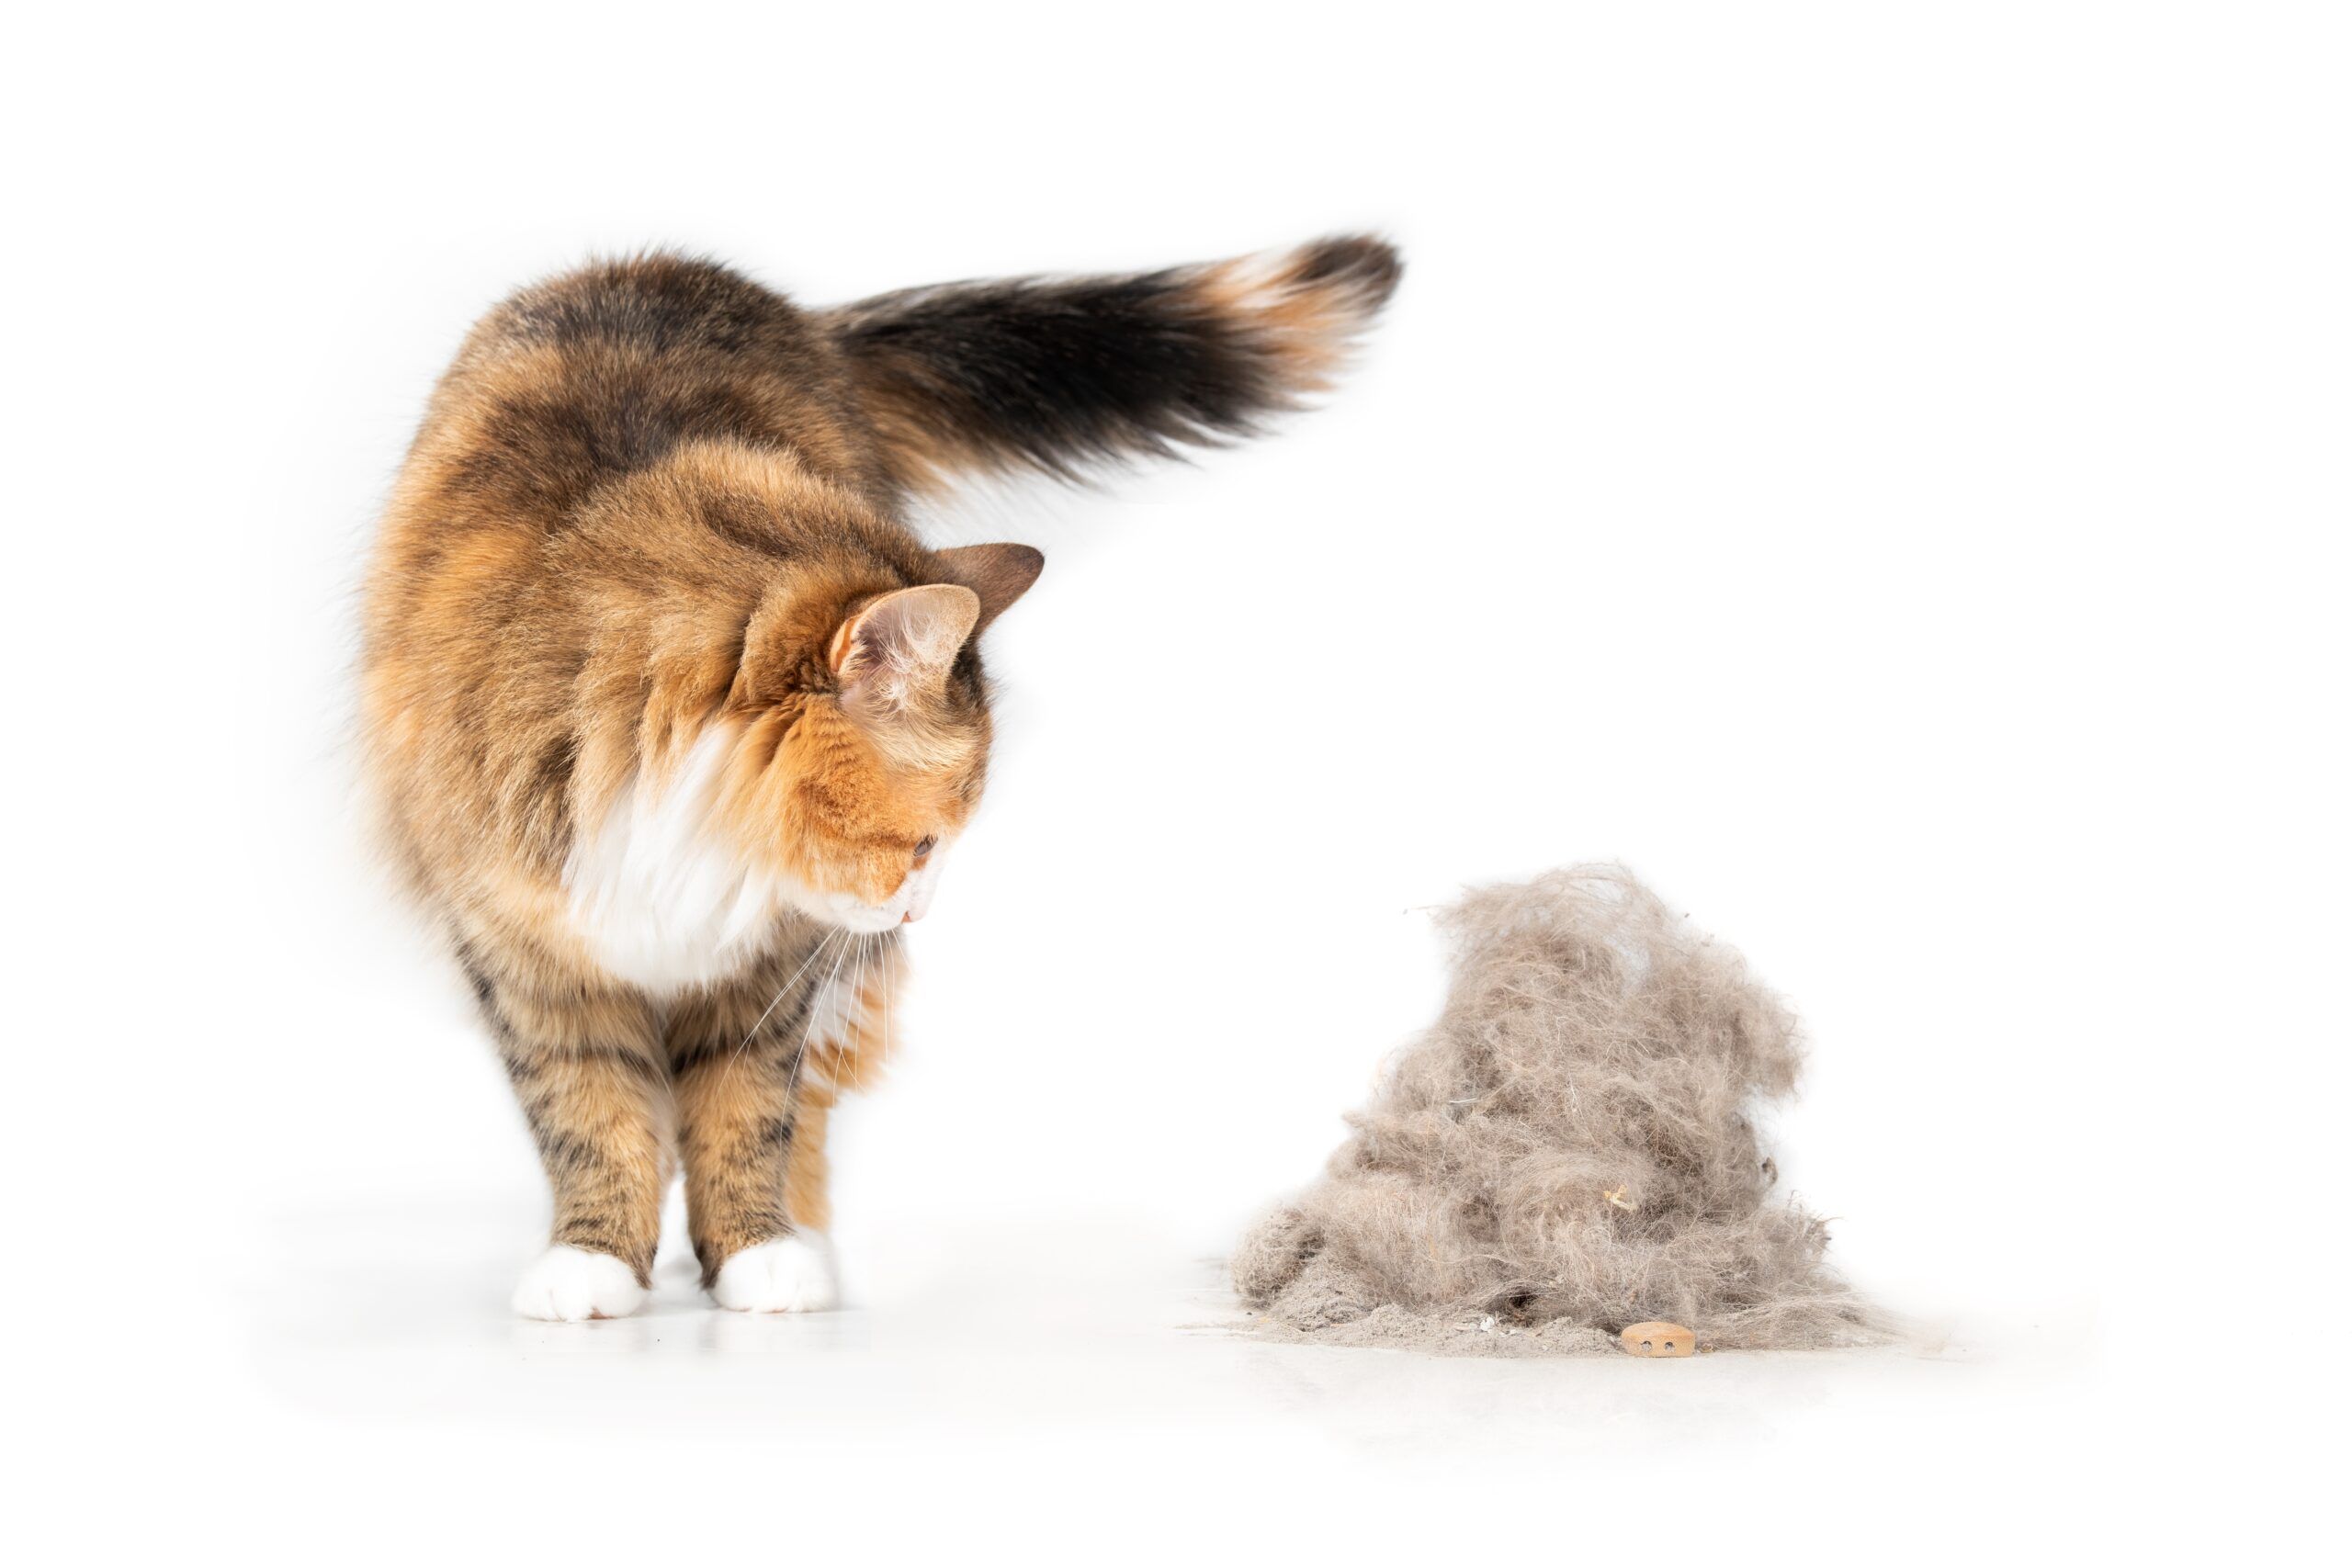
923, 849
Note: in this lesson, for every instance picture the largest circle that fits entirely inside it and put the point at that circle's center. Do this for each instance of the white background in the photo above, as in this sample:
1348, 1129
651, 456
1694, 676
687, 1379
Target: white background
1877, 471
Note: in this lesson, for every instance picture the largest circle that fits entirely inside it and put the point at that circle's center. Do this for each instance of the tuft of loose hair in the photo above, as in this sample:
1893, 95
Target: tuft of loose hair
1569, 1149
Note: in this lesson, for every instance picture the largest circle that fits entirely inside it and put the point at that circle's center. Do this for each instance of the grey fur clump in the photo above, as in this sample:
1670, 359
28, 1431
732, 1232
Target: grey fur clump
1568, 1150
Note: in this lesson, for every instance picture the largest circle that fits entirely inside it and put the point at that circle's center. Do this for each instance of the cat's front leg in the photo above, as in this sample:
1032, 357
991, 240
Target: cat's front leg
589, 1072
740, 1132
747, 1063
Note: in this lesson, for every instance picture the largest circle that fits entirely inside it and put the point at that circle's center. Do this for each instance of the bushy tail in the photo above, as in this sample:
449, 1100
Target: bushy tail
1056, 374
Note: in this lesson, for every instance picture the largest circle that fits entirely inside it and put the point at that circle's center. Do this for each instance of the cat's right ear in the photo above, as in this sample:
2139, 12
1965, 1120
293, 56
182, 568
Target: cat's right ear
899, 648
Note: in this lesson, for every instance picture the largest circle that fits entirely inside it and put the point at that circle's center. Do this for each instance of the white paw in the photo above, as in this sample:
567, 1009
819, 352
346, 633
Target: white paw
792, 1273
569, 1283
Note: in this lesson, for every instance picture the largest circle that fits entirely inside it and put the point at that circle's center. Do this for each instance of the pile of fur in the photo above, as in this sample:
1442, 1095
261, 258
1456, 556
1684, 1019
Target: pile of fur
1568, 1150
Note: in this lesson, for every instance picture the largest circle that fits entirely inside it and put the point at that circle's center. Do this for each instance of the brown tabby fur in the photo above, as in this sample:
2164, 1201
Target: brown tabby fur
652, 499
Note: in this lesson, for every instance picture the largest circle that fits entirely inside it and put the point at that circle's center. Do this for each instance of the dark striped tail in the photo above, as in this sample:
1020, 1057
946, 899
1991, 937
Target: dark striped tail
1058, 374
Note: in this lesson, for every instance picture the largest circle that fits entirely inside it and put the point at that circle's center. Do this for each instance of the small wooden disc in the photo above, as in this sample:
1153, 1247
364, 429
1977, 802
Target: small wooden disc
1658, 1340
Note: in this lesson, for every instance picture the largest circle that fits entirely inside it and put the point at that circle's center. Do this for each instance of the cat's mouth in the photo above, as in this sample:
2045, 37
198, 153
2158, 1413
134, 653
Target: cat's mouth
866, 922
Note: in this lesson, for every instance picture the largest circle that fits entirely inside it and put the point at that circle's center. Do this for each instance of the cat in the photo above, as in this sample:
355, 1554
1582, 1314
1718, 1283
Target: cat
673, 720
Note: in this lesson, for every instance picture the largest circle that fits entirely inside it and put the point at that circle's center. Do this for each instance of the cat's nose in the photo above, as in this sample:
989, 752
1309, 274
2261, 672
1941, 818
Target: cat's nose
907, 919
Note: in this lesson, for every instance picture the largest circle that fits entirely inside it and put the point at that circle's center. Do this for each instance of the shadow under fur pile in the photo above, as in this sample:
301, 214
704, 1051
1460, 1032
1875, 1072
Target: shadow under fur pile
1568, 1150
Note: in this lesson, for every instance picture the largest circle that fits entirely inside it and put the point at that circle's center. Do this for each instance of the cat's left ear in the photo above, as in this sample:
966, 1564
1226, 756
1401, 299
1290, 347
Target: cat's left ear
998, 573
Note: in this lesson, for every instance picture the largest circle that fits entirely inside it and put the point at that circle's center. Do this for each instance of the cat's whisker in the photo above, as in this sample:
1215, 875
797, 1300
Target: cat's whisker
792, 1074
858, 989
814, 954
857, 986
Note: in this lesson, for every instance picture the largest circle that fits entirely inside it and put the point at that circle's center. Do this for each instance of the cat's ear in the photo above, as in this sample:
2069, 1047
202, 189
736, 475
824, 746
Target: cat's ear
998, 573
901, 646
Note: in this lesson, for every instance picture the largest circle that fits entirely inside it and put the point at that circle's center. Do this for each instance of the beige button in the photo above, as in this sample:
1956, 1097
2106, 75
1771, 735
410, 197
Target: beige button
1658, 1340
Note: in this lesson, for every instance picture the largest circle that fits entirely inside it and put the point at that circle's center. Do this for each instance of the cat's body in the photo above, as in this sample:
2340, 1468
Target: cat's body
672, 718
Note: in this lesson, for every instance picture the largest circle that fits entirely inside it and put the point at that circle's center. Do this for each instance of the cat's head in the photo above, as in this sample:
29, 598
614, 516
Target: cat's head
880, 762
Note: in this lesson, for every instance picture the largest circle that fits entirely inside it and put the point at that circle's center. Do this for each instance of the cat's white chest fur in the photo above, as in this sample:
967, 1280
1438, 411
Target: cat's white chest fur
657, 894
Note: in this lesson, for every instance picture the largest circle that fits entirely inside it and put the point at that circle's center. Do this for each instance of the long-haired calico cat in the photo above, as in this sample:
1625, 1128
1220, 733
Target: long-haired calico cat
674, 720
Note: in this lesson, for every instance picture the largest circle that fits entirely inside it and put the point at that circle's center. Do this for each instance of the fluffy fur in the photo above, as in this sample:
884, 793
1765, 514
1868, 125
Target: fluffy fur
672, 718
1569, 1149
